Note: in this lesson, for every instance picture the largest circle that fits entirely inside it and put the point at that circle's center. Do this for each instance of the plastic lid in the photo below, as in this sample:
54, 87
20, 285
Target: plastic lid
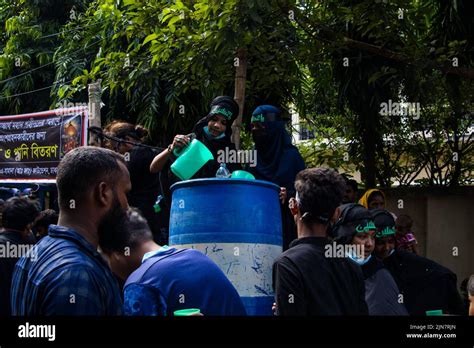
186, 312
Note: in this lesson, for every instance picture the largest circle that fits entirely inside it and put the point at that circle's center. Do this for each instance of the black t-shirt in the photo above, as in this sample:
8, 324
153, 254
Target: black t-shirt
308, 283
145, 190
145, 185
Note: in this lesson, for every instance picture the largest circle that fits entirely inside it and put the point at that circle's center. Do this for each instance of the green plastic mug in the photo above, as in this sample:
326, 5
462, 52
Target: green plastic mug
186, 312
242, 174
191, 159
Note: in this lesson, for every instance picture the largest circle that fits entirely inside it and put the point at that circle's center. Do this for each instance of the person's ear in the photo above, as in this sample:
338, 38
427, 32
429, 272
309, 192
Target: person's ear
116, 256
103, 193
293, 205
28, 228
336, 215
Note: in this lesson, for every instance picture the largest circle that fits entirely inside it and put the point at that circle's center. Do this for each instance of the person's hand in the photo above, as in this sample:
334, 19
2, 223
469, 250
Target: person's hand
274, 308
180, 141
282, 195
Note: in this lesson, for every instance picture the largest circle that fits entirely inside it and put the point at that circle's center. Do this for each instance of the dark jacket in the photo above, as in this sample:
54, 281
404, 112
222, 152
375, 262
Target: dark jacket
425, 284
308, 283
7, 265
381, 291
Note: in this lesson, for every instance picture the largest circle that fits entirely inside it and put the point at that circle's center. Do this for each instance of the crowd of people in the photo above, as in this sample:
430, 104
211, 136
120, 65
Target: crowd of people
105, 251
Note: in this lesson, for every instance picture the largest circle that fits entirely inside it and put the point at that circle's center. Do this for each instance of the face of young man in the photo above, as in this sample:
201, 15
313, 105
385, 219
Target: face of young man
367, 239
349, 196
384, 246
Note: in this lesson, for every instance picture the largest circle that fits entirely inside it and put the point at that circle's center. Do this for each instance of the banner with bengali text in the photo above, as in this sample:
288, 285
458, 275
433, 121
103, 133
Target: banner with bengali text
31, 145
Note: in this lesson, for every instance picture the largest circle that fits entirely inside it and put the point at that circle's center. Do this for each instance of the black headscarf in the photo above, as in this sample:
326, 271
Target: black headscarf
278, 160
227, 107
352, 216
222, 105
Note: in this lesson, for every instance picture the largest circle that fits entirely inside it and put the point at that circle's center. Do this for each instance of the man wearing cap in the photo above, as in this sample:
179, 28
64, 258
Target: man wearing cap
278, 160
306, 282
424, 284
355, 227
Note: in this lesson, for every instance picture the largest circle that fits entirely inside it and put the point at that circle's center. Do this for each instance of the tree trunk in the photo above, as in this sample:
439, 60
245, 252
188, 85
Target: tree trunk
369, 136
94, 91
239, 94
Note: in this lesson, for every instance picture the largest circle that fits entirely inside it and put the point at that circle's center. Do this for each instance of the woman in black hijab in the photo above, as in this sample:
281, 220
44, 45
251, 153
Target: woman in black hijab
278, 160
214, 131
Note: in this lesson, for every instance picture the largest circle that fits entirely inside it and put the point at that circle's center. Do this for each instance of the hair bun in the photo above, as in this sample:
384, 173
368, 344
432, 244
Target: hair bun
141, 131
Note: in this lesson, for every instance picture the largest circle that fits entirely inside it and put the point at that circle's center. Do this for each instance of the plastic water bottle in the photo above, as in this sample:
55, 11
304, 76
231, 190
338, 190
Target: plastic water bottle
222, 172
157, 206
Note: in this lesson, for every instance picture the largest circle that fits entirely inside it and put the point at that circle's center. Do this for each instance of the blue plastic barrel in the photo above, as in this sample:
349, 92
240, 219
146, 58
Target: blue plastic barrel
237, 223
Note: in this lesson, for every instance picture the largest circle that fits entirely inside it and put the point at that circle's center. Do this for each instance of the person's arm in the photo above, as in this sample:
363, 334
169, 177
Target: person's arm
159, 161
143, 300
289, 290
283, 195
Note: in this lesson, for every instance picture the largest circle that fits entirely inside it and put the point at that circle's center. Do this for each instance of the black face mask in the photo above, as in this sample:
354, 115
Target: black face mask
260, 136
109, 226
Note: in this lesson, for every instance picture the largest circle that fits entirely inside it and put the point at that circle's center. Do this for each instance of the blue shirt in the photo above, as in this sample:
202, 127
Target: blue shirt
171, 279
67, 276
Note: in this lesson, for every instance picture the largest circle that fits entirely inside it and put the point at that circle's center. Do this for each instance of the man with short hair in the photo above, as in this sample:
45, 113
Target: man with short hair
68, 276
18, 216
43, 220
164, 279
306, 282
351, 191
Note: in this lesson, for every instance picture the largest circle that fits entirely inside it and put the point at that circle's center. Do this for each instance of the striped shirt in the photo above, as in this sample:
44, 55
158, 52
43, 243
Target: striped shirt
64, 275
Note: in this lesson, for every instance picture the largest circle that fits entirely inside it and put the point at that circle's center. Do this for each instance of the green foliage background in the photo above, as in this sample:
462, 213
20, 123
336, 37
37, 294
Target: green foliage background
154, 57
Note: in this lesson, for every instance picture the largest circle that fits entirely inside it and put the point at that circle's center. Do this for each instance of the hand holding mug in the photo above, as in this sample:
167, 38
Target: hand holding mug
180, 141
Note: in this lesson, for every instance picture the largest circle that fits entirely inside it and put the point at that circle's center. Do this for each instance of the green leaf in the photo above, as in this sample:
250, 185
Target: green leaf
150, 37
